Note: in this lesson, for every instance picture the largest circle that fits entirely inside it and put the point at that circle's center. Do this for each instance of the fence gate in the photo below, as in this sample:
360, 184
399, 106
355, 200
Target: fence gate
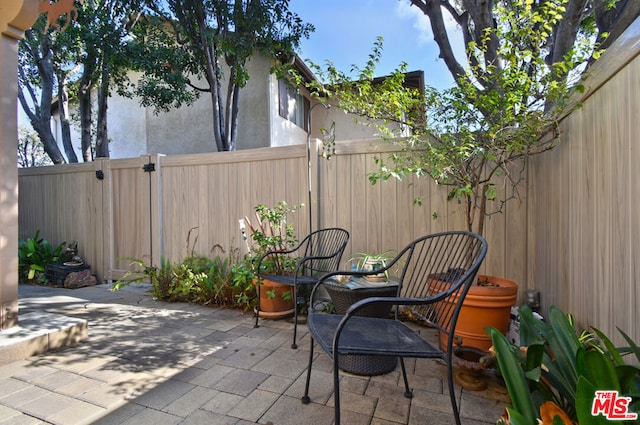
132, 214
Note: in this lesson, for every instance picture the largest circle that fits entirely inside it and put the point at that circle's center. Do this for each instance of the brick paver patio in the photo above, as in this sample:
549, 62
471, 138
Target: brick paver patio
147, 362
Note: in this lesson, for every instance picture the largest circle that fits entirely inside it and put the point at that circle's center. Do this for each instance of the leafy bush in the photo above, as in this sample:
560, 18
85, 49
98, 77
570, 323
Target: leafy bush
555, 373
161, 277
207, 281
243, 277
35, 253
196, 279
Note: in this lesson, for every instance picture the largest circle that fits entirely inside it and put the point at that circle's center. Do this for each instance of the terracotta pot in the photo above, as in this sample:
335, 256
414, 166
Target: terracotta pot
484, 306
276, 307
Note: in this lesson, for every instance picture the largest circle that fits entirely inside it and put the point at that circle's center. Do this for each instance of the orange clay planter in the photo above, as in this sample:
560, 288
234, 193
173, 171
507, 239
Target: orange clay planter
484, 305
276, 307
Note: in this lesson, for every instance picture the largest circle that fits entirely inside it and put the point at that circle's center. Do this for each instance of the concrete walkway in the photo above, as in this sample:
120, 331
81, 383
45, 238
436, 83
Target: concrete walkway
148, 362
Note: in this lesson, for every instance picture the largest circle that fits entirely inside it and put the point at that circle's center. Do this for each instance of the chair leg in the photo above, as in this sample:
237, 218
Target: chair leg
336, 389
452, 393
305, 398
407, 391
295, 316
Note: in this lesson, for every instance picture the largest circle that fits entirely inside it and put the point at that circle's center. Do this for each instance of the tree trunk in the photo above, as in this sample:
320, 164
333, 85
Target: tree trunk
234, 119
42, 126
86, 109
477, 17
40, 116
51, 148
564, 36
231, 109
432, 8
615, 20
42, 123
216, 101
63, 111
102, 140
85, 125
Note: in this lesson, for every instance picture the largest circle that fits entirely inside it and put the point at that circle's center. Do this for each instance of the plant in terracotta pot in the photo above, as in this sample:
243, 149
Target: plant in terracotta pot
268, 231
475, 138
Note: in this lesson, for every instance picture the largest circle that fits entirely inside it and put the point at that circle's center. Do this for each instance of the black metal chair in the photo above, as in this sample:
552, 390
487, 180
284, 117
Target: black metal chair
436, 273
319, 253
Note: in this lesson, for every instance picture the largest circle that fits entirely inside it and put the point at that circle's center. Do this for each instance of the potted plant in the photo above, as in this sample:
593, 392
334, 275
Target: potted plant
474, 138
269, 231
36, 254
487, 304
368, 262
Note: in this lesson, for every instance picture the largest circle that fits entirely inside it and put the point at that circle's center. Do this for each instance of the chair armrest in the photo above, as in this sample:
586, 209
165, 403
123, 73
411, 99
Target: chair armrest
266, 254
304, 260
359, 305
389, 265
329, 275
281, 251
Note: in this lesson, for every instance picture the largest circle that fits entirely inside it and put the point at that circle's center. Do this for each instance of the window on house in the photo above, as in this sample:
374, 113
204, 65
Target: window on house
293, 105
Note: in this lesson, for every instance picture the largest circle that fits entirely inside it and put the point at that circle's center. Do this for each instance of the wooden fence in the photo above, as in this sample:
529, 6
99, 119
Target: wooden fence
172, 206
573, 235
584, 200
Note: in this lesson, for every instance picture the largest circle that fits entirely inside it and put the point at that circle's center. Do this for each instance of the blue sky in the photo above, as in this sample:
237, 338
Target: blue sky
347, 29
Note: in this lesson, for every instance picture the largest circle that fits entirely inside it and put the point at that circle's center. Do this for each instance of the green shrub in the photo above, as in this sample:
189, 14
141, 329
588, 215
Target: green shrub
196, 279
206, 281
161, 278
220, 289
35, 253
553, 376
243, 277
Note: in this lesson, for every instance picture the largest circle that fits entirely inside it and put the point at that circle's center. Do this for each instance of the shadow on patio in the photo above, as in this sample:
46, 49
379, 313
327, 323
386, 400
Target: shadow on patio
159, 363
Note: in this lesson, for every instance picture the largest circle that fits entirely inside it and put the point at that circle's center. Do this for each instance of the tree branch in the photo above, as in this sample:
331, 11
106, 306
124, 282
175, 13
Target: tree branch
432, 8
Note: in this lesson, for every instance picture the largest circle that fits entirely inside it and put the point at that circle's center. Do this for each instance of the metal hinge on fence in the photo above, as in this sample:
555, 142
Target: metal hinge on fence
150, 167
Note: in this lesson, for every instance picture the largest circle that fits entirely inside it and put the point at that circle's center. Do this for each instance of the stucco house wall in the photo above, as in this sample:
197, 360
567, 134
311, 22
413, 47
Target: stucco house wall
189, 129
126, 126
135, 130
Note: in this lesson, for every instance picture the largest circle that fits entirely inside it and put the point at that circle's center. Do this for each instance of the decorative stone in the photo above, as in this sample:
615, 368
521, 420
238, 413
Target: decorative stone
79, 279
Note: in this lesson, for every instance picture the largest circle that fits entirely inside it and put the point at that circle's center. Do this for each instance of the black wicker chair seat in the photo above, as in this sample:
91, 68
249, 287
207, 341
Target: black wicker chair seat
370, 336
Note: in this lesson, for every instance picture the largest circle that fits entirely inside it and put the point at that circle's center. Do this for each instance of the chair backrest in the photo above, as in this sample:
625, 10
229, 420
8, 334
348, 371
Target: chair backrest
442, 265
327, 245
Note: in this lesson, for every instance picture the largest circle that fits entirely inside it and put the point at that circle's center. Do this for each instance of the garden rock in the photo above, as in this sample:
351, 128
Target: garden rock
79, 279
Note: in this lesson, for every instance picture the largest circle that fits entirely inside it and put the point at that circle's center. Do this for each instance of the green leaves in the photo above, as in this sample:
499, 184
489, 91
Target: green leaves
562, 368
188, 42
524, 409
271, 232
599, 372
195, 279
475, 136
35, 253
